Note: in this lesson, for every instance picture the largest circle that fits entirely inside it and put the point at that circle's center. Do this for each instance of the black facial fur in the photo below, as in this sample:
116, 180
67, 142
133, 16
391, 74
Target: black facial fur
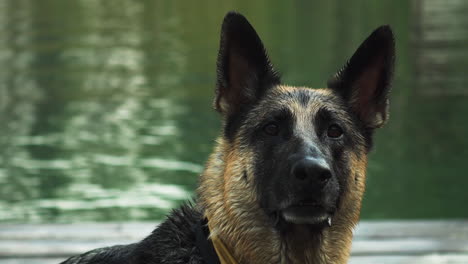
303, 97
273, 154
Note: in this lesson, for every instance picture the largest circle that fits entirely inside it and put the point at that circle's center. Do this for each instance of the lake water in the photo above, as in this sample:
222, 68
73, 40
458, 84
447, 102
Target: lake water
106, 114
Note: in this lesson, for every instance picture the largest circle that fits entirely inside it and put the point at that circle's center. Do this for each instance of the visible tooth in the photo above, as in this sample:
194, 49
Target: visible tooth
329, 221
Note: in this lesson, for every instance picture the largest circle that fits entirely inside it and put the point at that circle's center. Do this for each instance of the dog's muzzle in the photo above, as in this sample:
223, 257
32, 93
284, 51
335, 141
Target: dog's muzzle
310, 201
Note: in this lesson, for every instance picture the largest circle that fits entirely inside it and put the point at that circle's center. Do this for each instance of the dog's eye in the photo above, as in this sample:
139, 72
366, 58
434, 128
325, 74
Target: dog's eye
271, 129
334, 131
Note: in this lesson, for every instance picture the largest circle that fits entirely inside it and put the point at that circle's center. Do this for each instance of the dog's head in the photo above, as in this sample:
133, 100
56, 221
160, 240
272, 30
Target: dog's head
304, 151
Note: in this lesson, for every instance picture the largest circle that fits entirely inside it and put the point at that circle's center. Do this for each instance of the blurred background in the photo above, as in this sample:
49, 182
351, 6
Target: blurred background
105, 106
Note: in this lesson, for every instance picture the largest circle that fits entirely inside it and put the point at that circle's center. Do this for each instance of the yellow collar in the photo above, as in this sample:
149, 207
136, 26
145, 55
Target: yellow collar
225, 257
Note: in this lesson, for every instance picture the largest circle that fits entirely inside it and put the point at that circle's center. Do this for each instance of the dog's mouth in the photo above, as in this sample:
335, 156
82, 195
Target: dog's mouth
307, 212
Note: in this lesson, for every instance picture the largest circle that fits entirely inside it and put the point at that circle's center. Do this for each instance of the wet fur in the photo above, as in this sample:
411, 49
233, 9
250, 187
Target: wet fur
236, 187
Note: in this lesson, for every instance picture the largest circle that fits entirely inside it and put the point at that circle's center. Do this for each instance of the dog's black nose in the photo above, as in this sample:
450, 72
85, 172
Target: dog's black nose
311, 171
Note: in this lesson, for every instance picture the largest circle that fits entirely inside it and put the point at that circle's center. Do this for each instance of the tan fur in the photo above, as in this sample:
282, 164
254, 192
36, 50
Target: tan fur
231, 205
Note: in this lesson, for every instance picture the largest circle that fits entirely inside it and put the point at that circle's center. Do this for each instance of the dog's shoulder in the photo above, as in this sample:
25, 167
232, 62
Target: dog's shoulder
172, 242
118, 254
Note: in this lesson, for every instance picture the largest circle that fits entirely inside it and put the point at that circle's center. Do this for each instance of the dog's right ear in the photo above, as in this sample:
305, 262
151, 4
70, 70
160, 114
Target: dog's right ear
244, 71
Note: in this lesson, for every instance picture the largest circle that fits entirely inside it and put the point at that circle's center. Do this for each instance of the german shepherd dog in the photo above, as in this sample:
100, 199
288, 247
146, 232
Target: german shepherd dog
286, 178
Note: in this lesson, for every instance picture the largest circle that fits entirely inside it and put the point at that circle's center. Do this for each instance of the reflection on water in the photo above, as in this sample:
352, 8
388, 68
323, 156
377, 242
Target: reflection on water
106, 110
91, 123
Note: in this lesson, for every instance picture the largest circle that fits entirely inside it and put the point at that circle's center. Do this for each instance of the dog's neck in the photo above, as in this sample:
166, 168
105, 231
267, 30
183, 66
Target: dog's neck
236, 218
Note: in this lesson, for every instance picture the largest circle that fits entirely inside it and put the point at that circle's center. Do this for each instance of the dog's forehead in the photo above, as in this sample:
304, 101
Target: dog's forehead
302, 100
300, 103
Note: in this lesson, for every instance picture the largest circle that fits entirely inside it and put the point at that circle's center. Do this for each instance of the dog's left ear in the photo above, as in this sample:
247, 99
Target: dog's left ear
365, 81
244, 71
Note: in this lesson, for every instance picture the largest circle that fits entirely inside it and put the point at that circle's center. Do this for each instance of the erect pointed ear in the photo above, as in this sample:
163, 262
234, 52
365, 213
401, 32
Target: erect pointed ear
365, 81
244, 71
